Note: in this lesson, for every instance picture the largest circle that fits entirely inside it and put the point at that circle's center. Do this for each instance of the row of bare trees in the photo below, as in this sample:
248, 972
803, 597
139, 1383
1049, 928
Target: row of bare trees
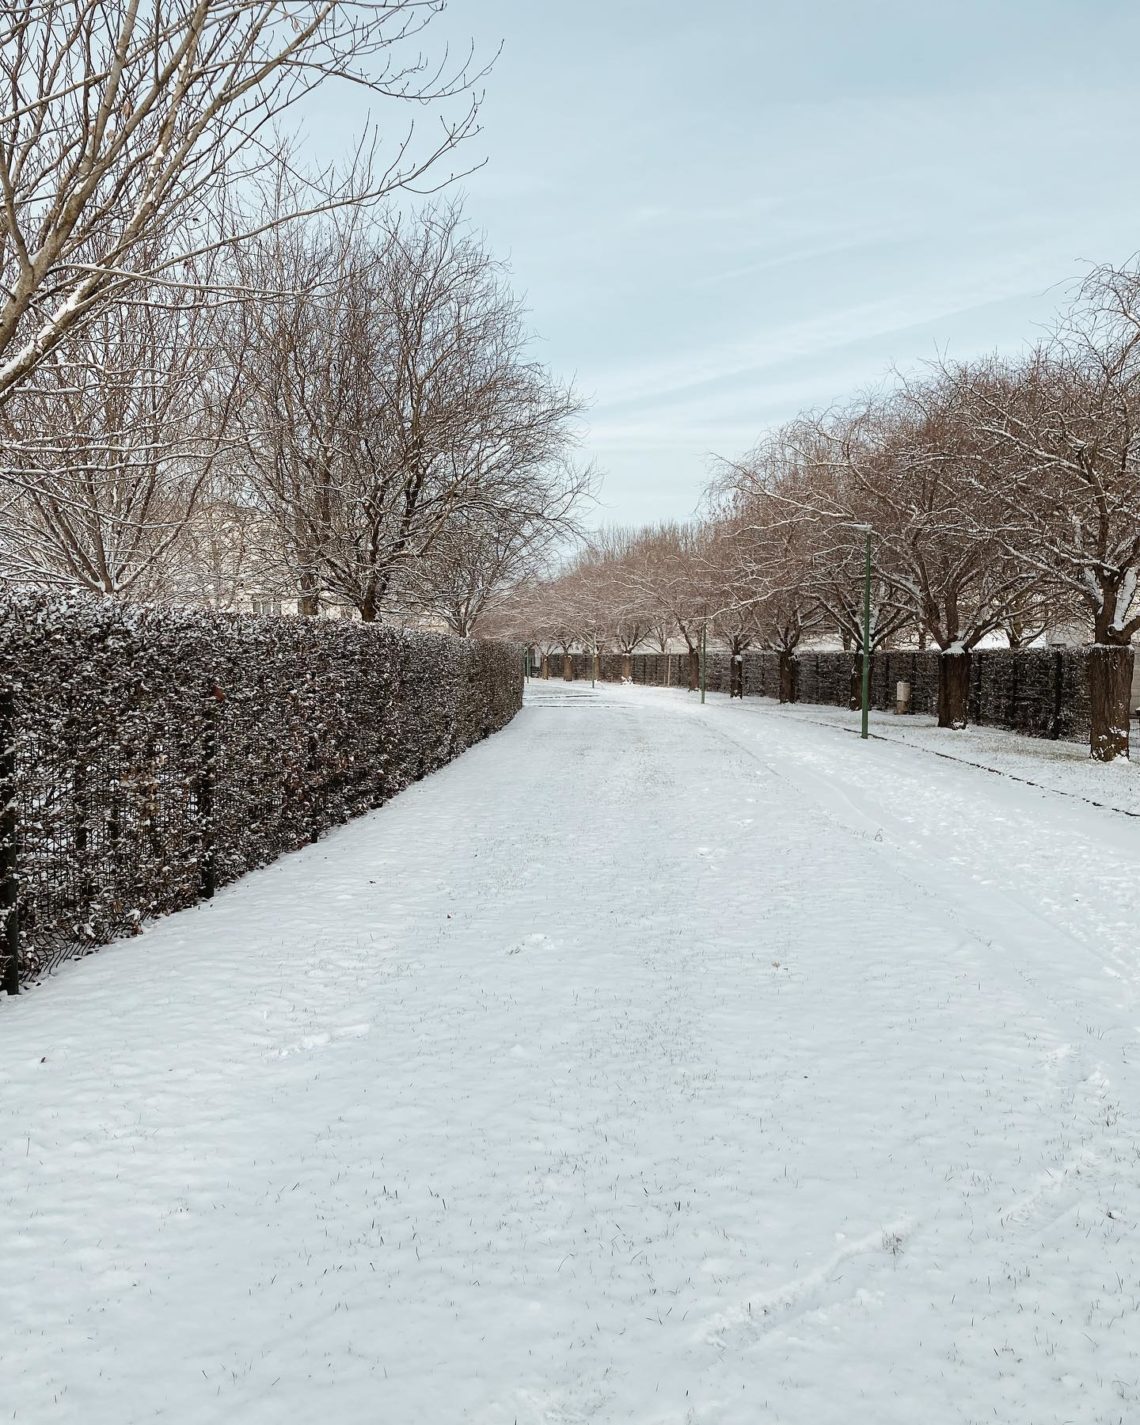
222, 373
1001, 498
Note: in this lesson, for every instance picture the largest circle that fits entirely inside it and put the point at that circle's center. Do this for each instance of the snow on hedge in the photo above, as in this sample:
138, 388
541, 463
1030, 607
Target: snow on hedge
162, 752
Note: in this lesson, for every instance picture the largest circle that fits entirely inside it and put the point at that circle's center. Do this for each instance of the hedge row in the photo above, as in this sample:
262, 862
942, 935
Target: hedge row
154, 755
1041, 692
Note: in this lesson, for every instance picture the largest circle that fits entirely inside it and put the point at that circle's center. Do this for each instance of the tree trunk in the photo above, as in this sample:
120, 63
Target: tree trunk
626, 668
787, 677
856, 698
736, 677
567, 668
953, 689
1110, 689
546, 665
309, 598
368, 609
694, 669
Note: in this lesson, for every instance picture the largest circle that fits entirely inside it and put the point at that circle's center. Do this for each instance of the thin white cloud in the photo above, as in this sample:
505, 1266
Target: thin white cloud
721, 214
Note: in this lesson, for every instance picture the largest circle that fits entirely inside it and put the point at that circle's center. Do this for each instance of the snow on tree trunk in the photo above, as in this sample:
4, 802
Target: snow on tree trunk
953, 687
856, 699
1110, 687
736, 677
787, 677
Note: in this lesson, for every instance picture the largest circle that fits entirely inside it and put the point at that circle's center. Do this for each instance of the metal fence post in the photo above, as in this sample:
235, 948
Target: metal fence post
9, 848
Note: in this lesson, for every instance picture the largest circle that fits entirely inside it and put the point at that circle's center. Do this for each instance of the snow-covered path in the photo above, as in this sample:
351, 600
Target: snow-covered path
650, 1063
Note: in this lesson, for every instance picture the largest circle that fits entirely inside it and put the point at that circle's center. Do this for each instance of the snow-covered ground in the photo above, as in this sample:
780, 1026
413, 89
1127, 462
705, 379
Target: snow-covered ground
650, 1063
1056, 766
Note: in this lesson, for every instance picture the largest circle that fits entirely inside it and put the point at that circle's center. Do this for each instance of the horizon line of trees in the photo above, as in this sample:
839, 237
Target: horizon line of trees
1001, 496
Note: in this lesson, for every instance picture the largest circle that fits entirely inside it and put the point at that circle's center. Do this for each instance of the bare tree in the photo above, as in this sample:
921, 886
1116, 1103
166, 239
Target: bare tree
773, 547
229, 556
1064, 432
504, 539
913, 466
388, 402
303, 350
120, 123
608, 578
670, 568
738, 620
107, 445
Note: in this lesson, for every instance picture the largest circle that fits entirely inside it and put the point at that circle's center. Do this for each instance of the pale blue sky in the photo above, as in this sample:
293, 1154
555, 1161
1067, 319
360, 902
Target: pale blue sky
720, 213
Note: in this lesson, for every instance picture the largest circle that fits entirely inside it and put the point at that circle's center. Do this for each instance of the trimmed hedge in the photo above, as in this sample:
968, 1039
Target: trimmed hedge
1043, 692
152, 755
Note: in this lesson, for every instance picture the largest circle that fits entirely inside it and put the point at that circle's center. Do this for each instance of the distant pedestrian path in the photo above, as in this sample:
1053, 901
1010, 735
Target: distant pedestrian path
649, 1063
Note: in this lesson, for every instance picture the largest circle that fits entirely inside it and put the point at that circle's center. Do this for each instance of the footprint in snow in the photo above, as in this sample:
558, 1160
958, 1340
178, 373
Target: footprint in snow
310, 1042
528, 942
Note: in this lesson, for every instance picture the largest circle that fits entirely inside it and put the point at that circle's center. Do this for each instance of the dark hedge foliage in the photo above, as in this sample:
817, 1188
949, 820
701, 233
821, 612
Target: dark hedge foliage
160, 753
1043, 692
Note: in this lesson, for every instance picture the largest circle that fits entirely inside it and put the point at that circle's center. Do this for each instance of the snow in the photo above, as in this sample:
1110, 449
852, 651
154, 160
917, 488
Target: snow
1062, 767
652, 1062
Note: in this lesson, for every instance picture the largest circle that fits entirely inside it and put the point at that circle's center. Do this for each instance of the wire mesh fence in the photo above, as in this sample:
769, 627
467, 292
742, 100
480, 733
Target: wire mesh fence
149, 756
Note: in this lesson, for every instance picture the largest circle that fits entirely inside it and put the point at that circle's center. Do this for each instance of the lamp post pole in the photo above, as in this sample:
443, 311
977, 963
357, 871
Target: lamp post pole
866, 634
